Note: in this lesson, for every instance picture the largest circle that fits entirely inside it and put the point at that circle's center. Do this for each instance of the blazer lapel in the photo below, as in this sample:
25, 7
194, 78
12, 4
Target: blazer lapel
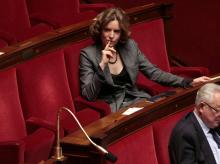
126, 57
205, 148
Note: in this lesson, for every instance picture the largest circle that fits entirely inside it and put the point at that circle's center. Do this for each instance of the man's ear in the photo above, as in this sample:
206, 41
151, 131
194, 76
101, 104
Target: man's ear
201, 105
200, 108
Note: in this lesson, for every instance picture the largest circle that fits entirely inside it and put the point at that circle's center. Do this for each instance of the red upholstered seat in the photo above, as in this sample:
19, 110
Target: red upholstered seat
72, 57
124, 4
162, 130
151, 40
137, 148
44, 88
16, 146
6, 39
14, 21
3, 43
98, 7
58, 13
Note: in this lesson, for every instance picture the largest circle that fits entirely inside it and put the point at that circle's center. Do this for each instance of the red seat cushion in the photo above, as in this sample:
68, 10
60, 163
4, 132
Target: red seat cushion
38, 145
85, 117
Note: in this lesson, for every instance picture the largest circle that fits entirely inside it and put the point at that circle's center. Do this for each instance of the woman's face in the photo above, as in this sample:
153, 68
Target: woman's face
111, 32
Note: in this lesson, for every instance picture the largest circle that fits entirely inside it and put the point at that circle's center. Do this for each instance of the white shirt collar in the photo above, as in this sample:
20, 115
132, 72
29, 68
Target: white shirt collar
201, 123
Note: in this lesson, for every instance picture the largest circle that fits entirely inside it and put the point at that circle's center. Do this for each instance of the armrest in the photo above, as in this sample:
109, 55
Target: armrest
7, 37
98, 7
192, 72
102, 107
148, 89
37, 18
34, 123
12, 151
149, 86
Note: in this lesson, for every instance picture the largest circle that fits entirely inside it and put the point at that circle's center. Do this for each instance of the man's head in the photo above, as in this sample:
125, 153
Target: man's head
208, 104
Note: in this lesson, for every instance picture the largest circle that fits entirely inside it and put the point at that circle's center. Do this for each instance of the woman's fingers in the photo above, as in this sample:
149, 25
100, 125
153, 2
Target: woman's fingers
112, 49
107, 45
108, 48
200, 80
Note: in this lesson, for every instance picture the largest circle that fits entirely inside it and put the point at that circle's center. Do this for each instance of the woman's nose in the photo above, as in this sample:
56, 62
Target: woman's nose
111, 34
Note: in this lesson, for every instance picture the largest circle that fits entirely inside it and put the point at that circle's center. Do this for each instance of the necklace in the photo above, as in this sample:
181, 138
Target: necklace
113, 62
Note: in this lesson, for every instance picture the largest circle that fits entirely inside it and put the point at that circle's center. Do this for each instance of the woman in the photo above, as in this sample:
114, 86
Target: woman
109, 68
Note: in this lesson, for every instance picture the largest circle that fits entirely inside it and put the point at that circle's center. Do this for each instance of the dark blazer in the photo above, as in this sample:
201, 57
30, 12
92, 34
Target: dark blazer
96, 83
188, 143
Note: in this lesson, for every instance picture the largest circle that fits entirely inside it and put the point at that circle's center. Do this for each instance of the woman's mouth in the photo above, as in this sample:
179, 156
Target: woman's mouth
111, 43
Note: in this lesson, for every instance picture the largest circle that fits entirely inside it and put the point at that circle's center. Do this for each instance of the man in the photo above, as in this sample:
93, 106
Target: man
192, 140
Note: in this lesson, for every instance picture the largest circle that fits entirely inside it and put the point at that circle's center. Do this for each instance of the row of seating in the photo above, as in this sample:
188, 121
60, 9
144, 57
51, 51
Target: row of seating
31, 94
23, 19
36, 89
149, 144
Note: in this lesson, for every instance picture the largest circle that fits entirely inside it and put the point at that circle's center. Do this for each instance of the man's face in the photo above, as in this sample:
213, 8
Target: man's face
111, 33
210, 112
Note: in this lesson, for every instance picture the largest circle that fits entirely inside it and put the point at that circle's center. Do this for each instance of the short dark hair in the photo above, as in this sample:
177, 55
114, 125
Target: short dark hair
107, 16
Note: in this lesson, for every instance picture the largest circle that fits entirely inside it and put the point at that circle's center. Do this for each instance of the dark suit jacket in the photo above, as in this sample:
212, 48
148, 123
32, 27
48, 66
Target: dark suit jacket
188, 143
96, 83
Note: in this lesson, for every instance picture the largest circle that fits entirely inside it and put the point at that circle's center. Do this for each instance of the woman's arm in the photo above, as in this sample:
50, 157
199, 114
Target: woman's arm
156, 74
165, 78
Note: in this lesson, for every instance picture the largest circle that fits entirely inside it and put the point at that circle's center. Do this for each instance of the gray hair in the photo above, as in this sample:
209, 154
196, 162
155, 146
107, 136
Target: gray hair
206, 93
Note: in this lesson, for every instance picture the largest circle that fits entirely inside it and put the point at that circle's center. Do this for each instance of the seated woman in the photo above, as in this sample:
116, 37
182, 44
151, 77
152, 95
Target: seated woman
109, 67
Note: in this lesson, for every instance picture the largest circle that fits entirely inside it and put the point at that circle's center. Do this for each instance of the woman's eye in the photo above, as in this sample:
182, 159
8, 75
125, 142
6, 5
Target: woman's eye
107, 30
117, 31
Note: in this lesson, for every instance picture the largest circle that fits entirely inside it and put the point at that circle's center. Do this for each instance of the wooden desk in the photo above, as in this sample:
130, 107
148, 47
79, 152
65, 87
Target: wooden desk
108, 129
114, 126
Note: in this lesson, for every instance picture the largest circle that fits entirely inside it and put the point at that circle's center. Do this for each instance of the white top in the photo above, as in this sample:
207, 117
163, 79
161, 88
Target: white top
211, 141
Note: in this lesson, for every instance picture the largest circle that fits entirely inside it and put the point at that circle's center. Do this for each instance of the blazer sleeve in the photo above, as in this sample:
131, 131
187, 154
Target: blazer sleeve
156, 74
182, 149
91, 78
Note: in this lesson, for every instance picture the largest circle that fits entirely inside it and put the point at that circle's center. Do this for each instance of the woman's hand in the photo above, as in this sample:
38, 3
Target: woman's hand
107, 53
200, 80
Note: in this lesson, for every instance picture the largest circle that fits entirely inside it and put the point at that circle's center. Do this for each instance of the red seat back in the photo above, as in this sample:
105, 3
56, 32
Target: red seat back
14, 20
61, 12
72, 58
162, 130
135, 148
11, 118
3, 43
44, 86
151, 41
14, 17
